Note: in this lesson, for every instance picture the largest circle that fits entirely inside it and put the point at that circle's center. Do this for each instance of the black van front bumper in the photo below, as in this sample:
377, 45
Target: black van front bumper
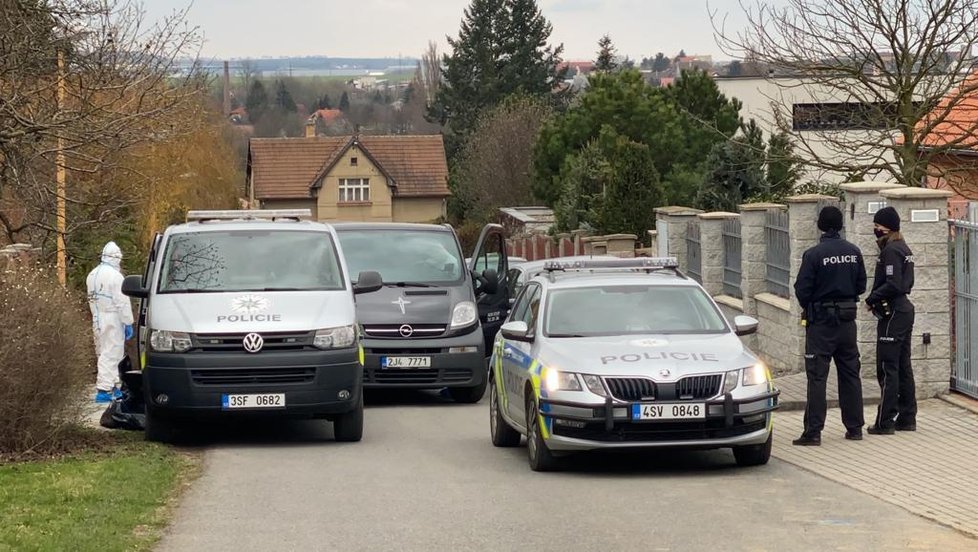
316, 384
457, 361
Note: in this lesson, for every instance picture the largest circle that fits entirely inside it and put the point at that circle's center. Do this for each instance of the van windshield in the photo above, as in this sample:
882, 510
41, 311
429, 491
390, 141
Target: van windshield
403, 256
247, 260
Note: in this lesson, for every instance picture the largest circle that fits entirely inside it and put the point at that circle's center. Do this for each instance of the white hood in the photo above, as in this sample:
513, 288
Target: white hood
236, 312
112, 255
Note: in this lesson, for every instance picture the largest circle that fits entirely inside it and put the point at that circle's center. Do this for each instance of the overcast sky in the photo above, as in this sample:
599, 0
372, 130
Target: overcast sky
382, 28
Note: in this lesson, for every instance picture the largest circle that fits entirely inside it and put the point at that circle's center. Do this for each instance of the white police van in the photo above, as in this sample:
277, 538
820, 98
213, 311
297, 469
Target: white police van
249, 313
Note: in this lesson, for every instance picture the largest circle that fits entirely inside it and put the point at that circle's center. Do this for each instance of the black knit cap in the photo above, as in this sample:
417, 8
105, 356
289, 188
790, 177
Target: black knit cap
829, 219
888, 217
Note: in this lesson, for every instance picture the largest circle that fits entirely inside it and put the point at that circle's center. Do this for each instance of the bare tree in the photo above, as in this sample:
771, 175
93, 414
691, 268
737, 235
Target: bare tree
249, 72
865, 86
427, 77
82, 82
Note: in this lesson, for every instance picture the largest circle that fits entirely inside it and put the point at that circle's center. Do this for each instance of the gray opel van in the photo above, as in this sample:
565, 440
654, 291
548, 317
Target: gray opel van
249, 313
429, 326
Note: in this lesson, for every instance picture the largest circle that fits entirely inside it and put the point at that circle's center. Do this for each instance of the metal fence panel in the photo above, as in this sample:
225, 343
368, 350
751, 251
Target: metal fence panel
964, 305
694, 253
778, 252
732, 249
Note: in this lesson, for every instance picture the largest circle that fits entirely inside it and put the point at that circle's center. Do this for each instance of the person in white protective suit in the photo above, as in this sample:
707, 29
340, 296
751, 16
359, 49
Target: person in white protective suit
111, 320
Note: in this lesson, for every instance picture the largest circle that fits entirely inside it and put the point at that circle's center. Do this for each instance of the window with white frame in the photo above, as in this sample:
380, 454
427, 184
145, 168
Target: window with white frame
354, 189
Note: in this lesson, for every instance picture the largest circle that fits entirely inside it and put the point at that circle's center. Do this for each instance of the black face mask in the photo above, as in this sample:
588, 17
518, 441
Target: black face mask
879, 233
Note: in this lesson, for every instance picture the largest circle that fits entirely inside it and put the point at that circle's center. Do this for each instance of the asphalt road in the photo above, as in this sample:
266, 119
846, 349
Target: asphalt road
426, 477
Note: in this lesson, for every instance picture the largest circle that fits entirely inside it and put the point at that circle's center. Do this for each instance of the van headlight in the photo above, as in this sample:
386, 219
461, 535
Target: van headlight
163, 341
464, 314
335, 338
757, 374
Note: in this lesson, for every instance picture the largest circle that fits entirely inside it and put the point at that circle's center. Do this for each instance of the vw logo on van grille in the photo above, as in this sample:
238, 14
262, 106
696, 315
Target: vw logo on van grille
253, 343
406, 330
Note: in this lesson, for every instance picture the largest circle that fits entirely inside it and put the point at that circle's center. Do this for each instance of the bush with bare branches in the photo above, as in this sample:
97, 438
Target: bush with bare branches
45, 360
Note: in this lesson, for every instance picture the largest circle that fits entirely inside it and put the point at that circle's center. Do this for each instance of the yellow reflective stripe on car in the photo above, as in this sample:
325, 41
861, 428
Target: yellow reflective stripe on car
500, 387
142, 360
361, 354
535, 369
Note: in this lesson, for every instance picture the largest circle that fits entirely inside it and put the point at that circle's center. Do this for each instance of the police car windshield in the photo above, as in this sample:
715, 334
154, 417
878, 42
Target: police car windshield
630, 309
409, 256
244, 260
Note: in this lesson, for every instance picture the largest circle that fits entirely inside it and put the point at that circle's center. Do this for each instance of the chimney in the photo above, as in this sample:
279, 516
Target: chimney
311, 127
227, 90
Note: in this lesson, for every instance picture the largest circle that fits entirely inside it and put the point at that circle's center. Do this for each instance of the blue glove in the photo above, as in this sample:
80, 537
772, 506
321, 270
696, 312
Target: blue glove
129, 332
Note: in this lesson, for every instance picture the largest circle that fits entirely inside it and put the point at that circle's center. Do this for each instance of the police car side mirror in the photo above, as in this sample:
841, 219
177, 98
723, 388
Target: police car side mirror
368, 281
515, 331
745, 325
132, 286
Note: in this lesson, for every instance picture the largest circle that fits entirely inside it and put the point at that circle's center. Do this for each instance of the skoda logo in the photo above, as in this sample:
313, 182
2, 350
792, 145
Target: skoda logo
665, 373
253, 343
406, 330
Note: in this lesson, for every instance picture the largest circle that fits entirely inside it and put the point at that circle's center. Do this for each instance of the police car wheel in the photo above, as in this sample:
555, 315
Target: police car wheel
503, 435
754, 455
540, 457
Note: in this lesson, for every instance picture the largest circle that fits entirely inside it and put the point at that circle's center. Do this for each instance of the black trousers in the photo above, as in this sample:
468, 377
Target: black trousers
826, 341
898, 400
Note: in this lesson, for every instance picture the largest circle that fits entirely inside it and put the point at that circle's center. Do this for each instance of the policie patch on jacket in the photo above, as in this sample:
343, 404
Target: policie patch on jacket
889, 270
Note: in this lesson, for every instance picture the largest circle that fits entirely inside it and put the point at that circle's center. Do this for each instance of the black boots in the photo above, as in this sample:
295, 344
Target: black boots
808, 440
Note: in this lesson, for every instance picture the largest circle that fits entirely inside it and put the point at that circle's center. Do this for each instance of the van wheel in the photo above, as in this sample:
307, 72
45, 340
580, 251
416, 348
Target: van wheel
503, 435
159, 430
348, 428
540, 457
754, 455
468, 395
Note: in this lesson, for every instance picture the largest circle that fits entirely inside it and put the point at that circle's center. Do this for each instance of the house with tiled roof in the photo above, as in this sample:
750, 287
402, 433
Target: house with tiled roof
951, 135
400, 178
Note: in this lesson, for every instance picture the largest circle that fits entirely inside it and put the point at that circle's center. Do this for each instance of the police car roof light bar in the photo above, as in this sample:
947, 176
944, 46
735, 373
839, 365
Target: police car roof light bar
640, 263
249, 214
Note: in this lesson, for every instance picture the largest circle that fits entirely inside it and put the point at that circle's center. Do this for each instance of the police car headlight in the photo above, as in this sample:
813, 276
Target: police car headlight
594, 384
555, 380
464, 314
730, 381
335, 338
756, 374
162, 341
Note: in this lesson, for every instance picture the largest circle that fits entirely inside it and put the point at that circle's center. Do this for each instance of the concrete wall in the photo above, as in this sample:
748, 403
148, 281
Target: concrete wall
780, 339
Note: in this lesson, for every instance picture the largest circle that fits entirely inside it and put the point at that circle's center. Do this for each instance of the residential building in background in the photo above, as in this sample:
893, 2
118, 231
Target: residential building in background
351, 178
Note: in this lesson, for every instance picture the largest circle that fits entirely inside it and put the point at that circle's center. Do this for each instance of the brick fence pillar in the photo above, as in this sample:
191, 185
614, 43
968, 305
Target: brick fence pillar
711, 250
862, 200
675, 219
753, 256
928, 239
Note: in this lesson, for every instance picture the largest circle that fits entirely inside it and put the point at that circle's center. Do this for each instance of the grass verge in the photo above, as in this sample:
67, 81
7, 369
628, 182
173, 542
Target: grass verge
115, 497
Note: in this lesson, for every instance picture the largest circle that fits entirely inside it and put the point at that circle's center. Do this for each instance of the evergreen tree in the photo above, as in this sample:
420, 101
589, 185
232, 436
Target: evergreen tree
660, 63
324, 102
283, 98
783, 166
735, 171
501, 49
606, 55
344, 102
257, 101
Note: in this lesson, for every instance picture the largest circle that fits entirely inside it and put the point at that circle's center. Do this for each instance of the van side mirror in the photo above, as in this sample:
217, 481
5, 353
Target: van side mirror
132, 286
368, 281
490, 281
745, 325
516, 330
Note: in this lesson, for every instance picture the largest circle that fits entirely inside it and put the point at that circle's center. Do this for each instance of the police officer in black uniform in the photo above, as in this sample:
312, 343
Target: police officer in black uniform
889, 303
831, 279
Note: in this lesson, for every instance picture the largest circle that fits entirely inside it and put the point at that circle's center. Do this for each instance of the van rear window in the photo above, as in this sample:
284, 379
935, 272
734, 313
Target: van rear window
243, 260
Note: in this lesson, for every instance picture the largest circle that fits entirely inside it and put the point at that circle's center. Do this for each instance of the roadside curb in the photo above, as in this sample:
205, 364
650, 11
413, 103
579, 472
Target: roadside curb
971, 405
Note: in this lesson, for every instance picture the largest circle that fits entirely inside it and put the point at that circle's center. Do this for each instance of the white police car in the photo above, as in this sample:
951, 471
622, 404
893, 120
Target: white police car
611, 354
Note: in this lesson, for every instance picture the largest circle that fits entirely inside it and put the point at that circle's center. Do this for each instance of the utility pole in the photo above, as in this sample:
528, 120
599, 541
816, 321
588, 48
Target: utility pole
227, 89
60, 172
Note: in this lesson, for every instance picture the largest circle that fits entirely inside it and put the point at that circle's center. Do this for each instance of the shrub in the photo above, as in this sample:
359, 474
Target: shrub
46, 358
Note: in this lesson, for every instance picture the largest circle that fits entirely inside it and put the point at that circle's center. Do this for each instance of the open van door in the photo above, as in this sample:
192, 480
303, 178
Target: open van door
489, 266
141, 337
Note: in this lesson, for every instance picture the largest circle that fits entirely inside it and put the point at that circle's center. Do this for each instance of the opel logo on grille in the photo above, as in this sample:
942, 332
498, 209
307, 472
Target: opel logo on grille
253, 343
406, 330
